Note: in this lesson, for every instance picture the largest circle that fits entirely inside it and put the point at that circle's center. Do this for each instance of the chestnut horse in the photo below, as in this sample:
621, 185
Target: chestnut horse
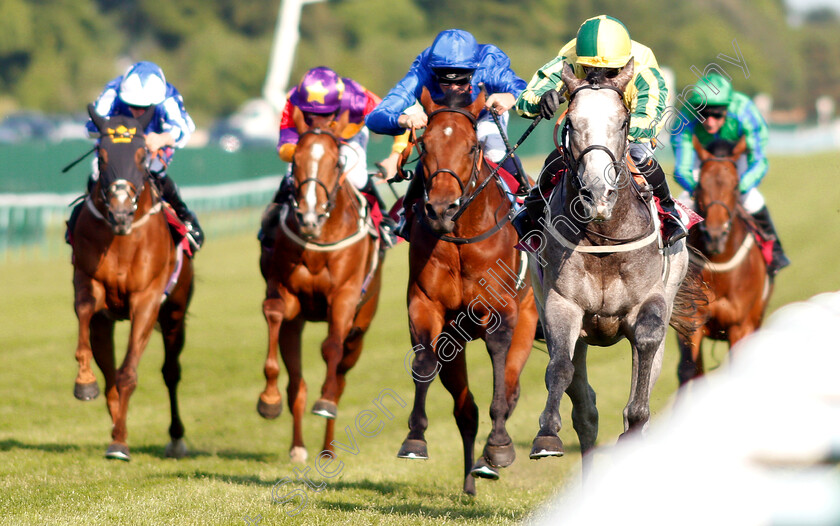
466, 281
732, 265
127, 267
323, 266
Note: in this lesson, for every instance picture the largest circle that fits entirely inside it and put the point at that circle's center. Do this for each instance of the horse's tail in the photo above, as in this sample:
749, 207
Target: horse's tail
692, 294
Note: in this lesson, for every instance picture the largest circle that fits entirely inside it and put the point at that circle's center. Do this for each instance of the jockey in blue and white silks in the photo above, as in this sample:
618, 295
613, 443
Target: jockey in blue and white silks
143, 88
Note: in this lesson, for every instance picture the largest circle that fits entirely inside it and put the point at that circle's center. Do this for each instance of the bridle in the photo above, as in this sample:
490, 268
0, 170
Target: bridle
331, 193
476, 161
730, 214
573, 163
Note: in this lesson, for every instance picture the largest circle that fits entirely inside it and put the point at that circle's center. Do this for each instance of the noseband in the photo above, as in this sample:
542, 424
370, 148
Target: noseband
331, 194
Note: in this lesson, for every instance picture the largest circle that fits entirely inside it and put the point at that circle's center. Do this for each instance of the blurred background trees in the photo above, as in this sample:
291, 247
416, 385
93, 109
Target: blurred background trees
55, 55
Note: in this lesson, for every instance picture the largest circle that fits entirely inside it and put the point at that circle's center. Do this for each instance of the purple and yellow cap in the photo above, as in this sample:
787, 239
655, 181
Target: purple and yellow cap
320, 91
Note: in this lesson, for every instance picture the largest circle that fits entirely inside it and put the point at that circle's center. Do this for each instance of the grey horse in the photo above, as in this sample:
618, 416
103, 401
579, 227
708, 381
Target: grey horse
601, 273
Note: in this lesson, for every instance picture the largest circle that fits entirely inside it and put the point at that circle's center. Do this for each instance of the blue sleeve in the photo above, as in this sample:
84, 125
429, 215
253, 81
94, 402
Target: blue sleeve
496, 73
105, 104
383, 119
171, 116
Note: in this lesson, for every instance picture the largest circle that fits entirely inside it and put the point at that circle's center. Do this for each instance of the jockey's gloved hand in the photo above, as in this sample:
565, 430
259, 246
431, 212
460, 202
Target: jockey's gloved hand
549, 102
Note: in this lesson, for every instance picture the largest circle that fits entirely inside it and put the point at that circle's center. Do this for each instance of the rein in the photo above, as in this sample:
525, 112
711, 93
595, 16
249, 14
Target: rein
328, 247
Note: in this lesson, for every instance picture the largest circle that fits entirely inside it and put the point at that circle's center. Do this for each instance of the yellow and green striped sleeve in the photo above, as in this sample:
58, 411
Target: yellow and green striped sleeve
648, 105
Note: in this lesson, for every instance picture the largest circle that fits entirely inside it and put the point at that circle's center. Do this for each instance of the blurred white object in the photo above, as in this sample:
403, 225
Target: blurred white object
756, 443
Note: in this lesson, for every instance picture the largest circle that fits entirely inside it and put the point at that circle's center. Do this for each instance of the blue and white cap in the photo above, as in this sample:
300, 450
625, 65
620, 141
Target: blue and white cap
143, 85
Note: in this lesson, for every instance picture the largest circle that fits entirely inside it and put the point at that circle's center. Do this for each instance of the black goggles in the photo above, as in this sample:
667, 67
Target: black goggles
714, 113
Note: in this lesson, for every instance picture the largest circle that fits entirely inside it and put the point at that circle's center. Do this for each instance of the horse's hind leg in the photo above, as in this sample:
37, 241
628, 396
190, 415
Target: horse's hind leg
173, 327
648, 344
454, 379
691, 356
584, 410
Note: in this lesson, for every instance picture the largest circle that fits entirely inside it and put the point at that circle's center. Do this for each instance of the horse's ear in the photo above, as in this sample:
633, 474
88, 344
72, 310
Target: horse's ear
625, 75
569, 78
300, 122
740, 148
478, 104
341, 122
147, 117
97, 119
426, 101
702, 152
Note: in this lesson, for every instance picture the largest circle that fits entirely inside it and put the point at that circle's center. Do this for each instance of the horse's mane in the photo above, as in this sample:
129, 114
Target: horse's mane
721, 148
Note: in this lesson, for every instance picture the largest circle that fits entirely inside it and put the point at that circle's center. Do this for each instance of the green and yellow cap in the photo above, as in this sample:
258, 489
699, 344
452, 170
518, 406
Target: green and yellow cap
603, 42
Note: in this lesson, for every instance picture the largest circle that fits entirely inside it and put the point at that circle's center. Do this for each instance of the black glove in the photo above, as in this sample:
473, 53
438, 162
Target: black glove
549, 102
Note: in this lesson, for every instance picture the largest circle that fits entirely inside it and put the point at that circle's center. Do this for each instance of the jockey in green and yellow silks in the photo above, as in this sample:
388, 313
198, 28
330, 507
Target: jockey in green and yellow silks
728, 115
603, 42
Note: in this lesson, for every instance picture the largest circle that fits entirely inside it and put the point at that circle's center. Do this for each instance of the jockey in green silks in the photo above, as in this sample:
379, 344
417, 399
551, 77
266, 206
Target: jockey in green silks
725, 114
603, 42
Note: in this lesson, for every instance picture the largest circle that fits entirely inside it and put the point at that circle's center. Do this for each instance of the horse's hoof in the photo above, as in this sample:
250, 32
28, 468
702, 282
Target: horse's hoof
546, 446
298, 455
176, 449
483, 469
118, 451
325, 408
269, 411
499, 456
413, 449
86, 392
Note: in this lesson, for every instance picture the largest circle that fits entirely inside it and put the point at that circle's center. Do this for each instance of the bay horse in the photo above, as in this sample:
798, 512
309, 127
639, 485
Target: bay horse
466, 281
324, 265
732, 263
602, 274
127, 267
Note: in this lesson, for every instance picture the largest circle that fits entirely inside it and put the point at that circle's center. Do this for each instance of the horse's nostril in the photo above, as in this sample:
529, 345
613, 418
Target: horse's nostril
430, 211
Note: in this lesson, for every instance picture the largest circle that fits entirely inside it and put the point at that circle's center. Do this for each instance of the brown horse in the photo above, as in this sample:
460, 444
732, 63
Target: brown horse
732, 265
466, 281
323, 266
126, 267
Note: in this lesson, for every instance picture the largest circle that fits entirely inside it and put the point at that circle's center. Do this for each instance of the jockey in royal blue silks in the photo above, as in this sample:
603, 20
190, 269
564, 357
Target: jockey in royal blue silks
141, 88
455, 64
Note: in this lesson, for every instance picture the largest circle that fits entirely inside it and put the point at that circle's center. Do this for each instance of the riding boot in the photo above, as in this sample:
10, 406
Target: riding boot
527, 218
387, 225
413, 194
270, 218
170, 194
672, 228
768, 230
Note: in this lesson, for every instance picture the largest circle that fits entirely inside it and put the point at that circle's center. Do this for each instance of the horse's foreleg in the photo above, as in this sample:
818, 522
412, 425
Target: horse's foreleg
648, 344
520, 350
352, 352
584, 410
563, 322
289, 339
425, 322
143, 309
453, 376
340, 315
89, 296
102, 343
498, 450
270, 404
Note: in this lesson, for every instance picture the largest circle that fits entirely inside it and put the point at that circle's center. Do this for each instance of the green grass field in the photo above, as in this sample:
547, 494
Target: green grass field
52, 469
